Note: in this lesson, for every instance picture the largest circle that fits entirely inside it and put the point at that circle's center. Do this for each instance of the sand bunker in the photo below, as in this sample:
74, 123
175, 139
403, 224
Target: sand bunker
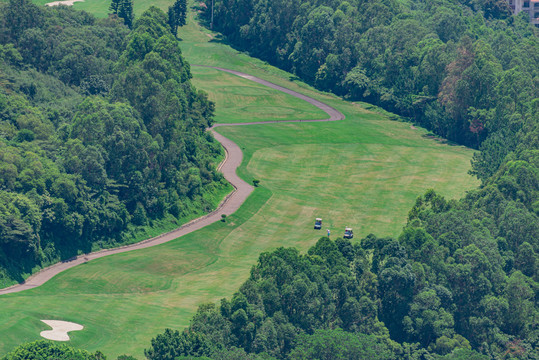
59, 330
65, 2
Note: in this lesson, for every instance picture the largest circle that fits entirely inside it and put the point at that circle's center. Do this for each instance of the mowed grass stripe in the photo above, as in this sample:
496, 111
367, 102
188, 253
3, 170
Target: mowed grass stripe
367, 184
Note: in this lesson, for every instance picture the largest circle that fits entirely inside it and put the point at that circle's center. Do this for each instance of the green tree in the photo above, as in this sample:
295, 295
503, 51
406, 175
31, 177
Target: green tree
427, 319
527, 261
464, 354
337, 345
22, 15
177, 15
85, 165
521, 312
397, 282
139, 216
125, 11
43, 349
497, 9
115, 6
445, 345
172, 344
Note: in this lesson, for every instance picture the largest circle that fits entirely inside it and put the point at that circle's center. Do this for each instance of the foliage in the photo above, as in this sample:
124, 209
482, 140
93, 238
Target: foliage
177, 15
172, 344
123, 9
84, 155
114, 6
337, 344
43, 349
125, 12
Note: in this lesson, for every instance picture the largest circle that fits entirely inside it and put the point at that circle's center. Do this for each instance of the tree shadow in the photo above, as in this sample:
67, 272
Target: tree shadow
295, 78
439, 139
220, 39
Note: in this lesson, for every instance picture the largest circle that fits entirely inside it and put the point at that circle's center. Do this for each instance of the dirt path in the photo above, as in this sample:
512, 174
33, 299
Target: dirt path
228, 206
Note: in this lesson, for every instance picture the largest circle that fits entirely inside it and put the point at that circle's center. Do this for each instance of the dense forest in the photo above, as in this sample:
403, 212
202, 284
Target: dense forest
101, 133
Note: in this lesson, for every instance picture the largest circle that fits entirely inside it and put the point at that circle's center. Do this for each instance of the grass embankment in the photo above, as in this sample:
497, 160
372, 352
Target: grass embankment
365, 172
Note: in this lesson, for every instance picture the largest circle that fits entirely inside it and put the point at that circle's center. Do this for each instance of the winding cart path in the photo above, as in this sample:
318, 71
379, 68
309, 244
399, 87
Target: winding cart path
228, 206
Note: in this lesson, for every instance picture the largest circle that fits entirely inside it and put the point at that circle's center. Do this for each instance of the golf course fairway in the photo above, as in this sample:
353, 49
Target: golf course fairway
365, 172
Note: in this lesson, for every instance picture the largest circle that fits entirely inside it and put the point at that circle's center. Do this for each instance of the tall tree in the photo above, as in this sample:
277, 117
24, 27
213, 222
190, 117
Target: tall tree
177, 15
114, 6
125, 11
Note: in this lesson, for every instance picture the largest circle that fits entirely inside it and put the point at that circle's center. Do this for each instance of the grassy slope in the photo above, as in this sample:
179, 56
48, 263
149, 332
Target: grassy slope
364, 172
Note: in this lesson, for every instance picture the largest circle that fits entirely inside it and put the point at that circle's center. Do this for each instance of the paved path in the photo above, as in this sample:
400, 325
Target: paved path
228, 206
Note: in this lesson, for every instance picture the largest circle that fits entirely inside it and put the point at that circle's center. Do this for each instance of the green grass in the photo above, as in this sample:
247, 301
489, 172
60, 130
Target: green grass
124, 300
364, 172
365, 181
242, 100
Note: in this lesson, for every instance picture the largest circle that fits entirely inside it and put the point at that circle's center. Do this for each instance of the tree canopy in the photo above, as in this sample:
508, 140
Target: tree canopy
101, 132
43, 349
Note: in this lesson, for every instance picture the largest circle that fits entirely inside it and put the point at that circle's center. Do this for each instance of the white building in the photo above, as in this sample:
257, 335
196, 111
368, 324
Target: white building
529, 6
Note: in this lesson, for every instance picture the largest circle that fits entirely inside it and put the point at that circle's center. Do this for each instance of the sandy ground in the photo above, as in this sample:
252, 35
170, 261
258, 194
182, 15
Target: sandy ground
59, 329
64, 2
228, 206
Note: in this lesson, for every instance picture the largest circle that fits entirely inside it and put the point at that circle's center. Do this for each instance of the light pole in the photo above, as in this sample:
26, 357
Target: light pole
211, 22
